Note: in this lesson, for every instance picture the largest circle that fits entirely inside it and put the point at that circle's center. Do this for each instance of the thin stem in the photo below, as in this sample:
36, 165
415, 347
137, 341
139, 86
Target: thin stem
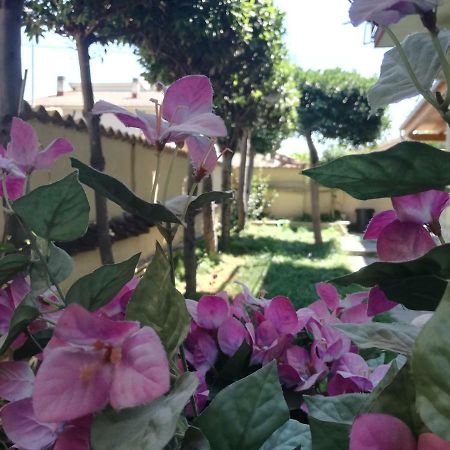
426, 94
28, 333
169, 171
445, 67
156, 179
5, 194
441, 239
190, 195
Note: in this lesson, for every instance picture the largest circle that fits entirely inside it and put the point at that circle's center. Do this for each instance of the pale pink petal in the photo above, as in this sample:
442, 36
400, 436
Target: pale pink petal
142, 374
82, 327
19, 287
320, 309
116, 308
355, 298
212, 311
378, 373
329, 294
380, 432
189, 95
266, 334
430, 441
353, 363
310, 381
76, 435
230, 336
421, 208
71, 383
24, 144
304, 315
202, 153
289, 377
46, 158
191, 306
22, 427
355, 314
16, 380
378, 223
297, 357
403, 241
282, 314
378, 302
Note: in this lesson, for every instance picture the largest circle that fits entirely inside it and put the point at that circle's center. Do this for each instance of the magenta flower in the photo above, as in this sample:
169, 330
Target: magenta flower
384, 432
201, 349
24, 149
16, 380
352, 374
404, 233
378, 303
92, 361
186, 111
387, 12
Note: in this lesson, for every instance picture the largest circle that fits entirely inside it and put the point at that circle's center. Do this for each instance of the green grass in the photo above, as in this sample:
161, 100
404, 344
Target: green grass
277, 259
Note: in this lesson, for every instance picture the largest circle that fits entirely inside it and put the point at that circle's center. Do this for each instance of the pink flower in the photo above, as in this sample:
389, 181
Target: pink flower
384, 432
400, 233
116, 308
201, 349
92, 361
23, 149
230, 336
16, 380
386, 12
186, 111
378, 302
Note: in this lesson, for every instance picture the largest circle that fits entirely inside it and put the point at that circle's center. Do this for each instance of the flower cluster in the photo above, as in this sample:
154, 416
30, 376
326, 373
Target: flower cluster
23, 156
185, 115
404, 233
312, 355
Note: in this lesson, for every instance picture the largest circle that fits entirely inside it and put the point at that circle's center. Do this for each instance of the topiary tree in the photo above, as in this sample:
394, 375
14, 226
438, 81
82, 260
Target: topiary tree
333, 105
87, 22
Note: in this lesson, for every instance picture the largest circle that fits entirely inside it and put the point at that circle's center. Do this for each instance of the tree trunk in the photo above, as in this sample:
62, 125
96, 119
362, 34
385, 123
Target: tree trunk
209, 230
240, 200
10, 87
10, 64
250, 168
97, 159
314, 188
226, 204
189, 258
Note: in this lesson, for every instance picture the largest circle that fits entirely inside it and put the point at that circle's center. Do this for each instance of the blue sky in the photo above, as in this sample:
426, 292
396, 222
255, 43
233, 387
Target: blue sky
318, 37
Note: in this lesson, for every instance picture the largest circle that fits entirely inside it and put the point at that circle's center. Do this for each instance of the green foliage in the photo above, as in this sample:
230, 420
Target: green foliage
261, 196
157, 303
148, 427
395, 83
430, 367
376, 174
11, 265
418, 284
194, 440
57, 211
333, 104
117, 192
245, 414
99, 287
398, 337
291, 436
330, 419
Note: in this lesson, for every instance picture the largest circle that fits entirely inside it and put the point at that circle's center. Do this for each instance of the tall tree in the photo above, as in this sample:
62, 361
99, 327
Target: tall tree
87, 22
333, 105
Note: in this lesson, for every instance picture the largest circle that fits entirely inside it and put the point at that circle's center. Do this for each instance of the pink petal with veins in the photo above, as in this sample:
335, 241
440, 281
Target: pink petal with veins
212, 311
378, 223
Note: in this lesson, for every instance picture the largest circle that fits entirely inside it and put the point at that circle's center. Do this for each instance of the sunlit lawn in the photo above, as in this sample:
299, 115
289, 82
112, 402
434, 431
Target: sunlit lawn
276, 258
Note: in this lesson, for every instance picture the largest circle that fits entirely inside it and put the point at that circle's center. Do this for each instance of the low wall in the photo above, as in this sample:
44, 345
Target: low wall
130, 160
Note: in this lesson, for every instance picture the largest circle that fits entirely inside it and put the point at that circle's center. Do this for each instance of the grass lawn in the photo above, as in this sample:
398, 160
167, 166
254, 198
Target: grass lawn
276, 258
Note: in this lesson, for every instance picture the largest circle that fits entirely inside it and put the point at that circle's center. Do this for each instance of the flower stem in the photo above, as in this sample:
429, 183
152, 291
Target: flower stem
445, 67
156, 178
190, 195
441, 239
169, 171
404, 58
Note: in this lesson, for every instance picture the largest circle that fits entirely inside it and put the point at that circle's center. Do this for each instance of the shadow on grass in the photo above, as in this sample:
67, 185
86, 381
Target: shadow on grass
297, 281
253, 245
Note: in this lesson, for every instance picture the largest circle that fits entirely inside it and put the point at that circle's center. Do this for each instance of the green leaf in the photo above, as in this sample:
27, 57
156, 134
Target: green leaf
376, 174
11, 265
290, 436
245, 414
157, 303
395, 337
56, 212
395, 396
418, 284
117, 192
431, 368
330, 419
209, 197
394, 83
194, 439
148, 427
99, 287
23, 315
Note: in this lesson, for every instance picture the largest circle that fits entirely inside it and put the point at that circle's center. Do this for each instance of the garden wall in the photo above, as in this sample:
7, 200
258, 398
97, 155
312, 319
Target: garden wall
129, 159
292, 198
